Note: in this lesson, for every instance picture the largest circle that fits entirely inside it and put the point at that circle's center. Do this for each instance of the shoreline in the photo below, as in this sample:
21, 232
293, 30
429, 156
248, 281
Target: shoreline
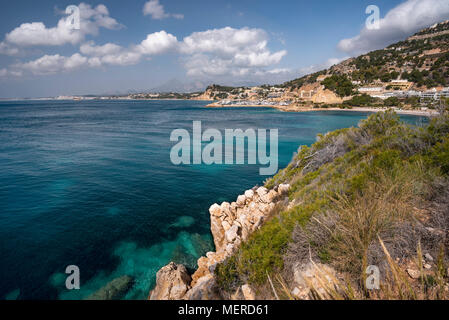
309, 109
98, 99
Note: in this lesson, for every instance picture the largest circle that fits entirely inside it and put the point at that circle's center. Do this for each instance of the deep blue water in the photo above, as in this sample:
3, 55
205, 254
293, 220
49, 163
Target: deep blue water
91, 184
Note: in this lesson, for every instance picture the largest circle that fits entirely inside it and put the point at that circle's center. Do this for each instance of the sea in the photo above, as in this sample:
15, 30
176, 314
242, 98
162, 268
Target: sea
91, 184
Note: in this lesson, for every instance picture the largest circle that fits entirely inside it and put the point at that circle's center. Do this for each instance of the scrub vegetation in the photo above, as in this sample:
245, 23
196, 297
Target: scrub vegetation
377, 195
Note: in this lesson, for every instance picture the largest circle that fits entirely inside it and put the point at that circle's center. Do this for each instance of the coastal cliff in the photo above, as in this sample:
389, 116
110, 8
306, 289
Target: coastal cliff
231, 224
375, 197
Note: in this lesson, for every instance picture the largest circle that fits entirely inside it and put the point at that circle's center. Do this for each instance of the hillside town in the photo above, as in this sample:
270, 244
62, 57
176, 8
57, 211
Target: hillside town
412, 74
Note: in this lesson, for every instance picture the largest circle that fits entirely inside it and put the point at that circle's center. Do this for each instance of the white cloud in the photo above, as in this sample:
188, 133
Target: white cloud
91, 49
399, 23
279, 71
14, 73
157, 43
8, 50
96, 56
125, 58
51, 64
38, 34
109, 54
223, 52
154, 9
228, 51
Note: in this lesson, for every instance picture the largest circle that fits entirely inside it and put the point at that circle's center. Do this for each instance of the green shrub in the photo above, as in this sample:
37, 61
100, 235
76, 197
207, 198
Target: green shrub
339, 84
360, 100
392, 102
371, 188
440, 156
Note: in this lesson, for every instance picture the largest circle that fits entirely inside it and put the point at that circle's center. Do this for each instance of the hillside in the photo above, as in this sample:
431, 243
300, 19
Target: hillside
359, 200
359, 203
372, 195
423, 60
412, 74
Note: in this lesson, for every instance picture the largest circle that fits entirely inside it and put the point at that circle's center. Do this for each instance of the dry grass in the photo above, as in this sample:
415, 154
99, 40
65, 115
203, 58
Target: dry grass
376, 211
353, 187
397, 285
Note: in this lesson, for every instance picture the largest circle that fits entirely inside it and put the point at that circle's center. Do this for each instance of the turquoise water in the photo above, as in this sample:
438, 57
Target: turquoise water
91, 184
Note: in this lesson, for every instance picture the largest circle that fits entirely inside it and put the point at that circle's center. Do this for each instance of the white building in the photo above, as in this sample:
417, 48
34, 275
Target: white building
371, 89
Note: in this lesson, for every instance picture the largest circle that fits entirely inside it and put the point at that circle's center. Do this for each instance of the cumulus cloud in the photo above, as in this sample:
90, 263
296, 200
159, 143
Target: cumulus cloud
95, 56
125, 58
51, 64
109, 53
228, 51
157, 43
91, 49
279, 71
10, 73
38, 34
218, 52
399, 23
8, 50
112, 54
156, 10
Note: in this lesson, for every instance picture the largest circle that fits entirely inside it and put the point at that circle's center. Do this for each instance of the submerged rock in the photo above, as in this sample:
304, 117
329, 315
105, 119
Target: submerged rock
202, 244
172, 283
180, 256
114, 290
231, 223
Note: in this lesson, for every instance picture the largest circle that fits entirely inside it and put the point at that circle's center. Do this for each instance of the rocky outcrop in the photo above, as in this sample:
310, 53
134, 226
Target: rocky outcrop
204, 289
114, 290
231, 224
206, 95
248, 292
313, 275
172, 283
326, 96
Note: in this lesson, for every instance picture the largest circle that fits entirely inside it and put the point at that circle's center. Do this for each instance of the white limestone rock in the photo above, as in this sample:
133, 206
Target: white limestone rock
248, 292
232, 233
215, 210
241, 200
261, 191
283, 189
249, 194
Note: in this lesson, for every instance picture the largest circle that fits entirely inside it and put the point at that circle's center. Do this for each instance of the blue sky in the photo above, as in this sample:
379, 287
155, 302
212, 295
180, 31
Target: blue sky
125, 45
